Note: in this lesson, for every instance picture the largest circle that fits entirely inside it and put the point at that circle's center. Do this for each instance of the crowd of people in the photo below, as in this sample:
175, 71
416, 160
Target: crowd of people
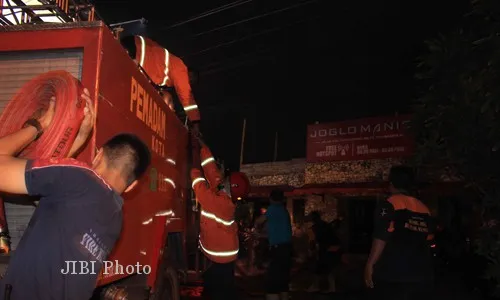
272, 245
399, 264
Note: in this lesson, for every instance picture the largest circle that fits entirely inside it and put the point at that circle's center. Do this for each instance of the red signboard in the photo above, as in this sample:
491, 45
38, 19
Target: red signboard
372, 138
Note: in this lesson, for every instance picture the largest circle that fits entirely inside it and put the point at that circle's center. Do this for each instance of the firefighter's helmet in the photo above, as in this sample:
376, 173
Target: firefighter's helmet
240, 185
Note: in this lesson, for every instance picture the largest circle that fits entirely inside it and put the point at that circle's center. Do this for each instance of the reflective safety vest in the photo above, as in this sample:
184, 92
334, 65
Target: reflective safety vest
210, 168
218, 230
166, 69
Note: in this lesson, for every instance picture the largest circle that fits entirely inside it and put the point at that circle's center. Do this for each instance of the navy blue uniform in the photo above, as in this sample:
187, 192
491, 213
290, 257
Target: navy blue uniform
404, 270
78, 220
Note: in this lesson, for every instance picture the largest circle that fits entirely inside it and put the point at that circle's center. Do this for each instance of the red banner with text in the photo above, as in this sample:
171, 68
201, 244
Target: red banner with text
371, 138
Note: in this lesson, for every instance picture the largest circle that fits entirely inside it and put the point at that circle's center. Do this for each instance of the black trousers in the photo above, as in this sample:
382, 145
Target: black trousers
218, 282
278, 274
403, 290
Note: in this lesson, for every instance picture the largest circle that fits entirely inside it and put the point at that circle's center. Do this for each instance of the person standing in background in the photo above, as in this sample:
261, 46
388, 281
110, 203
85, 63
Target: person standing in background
328, 249
400, 261
279, 231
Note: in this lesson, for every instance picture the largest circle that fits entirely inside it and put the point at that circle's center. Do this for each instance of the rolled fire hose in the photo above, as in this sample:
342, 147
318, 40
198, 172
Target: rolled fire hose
31, 101
33, 98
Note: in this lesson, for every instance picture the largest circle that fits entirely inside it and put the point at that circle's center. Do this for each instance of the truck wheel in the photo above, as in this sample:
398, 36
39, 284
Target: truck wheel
167, 287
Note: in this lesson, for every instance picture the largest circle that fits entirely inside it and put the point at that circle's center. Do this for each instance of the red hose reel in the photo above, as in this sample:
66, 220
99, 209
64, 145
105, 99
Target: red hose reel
31, 100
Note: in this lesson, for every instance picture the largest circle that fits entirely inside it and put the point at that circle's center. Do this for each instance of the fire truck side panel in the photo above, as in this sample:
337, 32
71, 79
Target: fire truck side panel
128, 103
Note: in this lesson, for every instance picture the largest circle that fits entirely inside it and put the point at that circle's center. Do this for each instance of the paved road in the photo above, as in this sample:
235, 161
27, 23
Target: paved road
350, 286
251, 289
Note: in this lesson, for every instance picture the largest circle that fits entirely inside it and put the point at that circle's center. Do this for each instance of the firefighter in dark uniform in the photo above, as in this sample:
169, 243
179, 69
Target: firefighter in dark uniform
400, 262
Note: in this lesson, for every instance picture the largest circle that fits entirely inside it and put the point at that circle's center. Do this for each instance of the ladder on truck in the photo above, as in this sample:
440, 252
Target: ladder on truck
21, 12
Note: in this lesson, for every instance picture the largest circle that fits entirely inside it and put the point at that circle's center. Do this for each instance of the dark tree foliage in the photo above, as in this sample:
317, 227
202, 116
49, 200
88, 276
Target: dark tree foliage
457, 119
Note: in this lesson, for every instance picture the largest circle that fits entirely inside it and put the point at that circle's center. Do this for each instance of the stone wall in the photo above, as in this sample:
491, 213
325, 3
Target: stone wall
297, 172
276, 173
349, 171
327, 205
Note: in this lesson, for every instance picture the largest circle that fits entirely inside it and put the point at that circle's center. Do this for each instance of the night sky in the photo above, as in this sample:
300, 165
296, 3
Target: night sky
285, 64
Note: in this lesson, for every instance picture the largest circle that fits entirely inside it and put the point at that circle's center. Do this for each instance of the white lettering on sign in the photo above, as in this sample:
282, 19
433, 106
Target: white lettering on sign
363, 149
393, 149
360, 129
334, 150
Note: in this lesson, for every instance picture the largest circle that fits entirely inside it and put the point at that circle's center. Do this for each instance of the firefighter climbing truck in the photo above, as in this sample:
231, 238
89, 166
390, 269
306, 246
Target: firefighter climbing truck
159, 222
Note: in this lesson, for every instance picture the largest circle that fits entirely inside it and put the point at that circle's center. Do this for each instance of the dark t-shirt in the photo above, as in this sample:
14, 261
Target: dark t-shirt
79, 218
406, 225
325, 235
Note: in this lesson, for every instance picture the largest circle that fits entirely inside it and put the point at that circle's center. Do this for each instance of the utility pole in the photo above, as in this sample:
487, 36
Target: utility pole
242, 150
275, 146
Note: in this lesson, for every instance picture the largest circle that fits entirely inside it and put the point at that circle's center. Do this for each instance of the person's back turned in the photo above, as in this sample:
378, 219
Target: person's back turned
400, 262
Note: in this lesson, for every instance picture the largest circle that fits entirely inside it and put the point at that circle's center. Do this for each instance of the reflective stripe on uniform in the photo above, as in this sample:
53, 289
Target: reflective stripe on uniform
207, 161
165, 213
199, 179
216, 219
170, 181
219, 253
143, 51
167, 55
190, 107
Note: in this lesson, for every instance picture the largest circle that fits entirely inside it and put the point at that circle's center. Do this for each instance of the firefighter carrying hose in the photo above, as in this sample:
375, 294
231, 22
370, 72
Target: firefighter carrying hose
166, 71
218, 230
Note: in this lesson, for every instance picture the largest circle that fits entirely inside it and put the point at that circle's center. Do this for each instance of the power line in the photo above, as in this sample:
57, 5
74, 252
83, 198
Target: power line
233, 59
208, 13
234, 65
249, 37
255, 17
114, 2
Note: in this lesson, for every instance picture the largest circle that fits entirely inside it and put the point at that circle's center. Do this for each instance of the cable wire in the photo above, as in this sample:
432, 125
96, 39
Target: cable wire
255, 17
208, 13
250, 36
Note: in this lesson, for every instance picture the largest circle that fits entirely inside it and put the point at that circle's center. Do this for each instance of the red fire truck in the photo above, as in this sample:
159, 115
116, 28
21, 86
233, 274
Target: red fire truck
159, 218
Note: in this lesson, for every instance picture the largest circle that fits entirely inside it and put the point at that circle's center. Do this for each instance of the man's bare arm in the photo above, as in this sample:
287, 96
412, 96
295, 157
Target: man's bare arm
12, 144
86, 127
12, 174
13, 169
376, 251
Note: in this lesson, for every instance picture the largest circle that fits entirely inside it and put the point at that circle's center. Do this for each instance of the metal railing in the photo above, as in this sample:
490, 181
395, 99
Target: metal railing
19, 12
